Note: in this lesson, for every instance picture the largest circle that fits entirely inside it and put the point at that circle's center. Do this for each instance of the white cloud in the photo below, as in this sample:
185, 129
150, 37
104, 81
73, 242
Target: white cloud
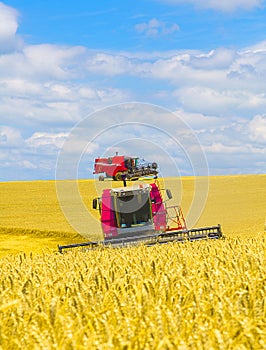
108, 64
224, 102
206, 100
200, 122
19, 87
43, 62
218, 82
10, 137
53, 61
224, 5
8, 19
8, 28
154, 28
25, 158
219, 58
26, 164
220, 148
23, 101
45, 78
39, 139
257, 129
257, 48
219, 68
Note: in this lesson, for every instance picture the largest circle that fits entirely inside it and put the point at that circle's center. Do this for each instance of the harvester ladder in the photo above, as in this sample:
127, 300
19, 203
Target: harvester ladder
177, 218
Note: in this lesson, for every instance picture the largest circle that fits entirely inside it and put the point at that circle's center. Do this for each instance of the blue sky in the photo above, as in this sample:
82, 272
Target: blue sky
113, 25
204, 60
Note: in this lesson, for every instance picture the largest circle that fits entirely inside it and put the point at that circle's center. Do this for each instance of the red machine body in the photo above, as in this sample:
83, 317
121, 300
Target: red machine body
117, 166
137, 210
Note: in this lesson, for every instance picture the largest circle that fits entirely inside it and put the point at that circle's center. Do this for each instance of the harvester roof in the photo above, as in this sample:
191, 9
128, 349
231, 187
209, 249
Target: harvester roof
120, 191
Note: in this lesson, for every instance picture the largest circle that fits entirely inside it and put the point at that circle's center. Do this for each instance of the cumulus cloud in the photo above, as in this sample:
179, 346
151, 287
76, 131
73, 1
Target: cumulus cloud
218, 68
154, 28
52, 102
39, 139
219, 102
225, 5
220, 148
30, 156
8, 28
219, 58
200, 122
61, 79
257, 129
108, 64
53, 61
10, 137
9, 25
216, 82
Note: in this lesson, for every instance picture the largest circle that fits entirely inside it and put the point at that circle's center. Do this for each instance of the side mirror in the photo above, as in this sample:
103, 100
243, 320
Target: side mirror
169, 193
94, 203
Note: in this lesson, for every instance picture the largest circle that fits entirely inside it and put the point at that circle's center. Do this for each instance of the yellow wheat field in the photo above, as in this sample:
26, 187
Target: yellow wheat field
31, 219
200, 295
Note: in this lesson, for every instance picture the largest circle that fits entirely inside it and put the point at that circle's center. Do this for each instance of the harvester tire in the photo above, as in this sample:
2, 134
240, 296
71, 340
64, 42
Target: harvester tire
118, 176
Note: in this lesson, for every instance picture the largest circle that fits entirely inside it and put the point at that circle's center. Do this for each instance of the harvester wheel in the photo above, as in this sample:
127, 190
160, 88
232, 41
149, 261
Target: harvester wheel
118, 176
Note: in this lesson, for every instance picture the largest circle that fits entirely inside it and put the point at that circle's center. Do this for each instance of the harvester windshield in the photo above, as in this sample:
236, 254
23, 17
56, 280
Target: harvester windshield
133, 208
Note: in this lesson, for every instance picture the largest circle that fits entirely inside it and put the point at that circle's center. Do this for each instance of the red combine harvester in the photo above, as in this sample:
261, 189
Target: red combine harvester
139, 213
132, 167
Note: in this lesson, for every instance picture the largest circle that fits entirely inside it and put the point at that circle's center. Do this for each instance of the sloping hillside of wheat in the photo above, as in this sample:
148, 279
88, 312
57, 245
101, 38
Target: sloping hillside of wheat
31, 218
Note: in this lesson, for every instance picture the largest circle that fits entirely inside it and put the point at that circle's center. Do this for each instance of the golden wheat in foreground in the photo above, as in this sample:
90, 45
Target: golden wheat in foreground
201, 295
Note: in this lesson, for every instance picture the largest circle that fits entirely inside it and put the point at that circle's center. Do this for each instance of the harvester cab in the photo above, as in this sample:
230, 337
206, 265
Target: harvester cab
128, 211
141, 213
